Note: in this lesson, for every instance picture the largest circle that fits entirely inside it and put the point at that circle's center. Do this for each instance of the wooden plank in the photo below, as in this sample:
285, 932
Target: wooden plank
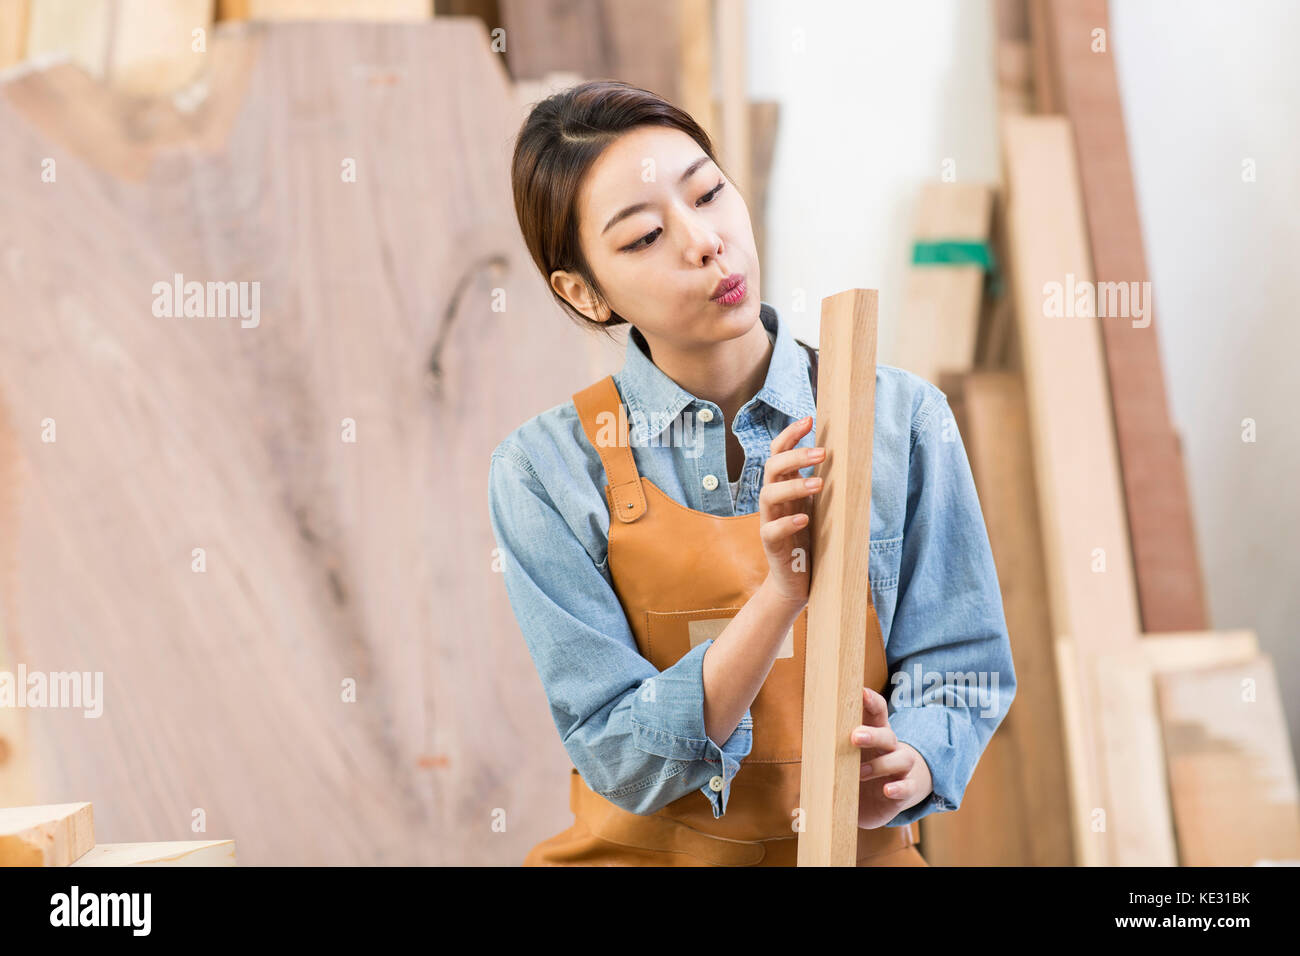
840, 531
1231, 772
329, 564
174, 853
942, 302
1090, 575
733, 67
694, 63
1016, 810
52, 834
1170, 585
325, 9
1089, 572
13, 32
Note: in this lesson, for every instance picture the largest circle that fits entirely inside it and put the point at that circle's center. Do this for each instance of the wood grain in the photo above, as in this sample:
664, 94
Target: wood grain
837, 602
1170, 585
47, 835
405, 302
1016, 809
1231, 773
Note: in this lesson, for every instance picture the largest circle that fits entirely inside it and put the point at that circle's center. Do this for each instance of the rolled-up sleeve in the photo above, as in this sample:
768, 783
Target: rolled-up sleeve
635, 734
951, 672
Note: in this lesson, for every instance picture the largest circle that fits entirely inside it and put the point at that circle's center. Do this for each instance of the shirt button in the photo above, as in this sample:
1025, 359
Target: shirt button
716, 784
706, 415
710, 482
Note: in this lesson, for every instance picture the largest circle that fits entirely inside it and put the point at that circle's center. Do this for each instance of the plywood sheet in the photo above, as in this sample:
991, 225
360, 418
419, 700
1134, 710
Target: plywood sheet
202, 533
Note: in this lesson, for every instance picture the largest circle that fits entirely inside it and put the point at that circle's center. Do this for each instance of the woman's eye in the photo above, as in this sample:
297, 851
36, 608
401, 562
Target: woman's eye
708, 197
637, 245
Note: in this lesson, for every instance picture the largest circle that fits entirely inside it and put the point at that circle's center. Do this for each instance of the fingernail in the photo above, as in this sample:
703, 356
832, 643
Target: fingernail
862, 737
812, 482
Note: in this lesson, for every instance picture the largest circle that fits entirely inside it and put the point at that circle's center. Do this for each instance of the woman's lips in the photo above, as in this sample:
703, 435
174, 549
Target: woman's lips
733, 295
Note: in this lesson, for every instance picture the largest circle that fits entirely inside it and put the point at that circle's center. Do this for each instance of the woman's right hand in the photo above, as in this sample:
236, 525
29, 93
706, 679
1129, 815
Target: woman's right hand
783, 507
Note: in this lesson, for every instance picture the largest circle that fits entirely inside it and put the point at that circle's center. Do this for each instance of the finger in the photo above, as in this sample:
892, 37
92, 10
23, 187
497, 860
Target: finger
787, 463
779, 530
897, 789
875, 709
790, 435
897, 762
881, 738
793, 489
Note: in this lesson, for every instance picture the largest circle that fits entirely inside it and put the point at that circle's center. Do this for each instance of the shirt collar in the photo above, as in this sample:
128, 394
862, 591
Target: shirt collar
654, 400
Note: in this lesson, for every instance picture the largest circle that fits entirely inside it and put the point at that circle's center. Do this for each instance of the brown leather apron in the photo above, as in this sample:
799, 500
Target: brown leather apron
681, 575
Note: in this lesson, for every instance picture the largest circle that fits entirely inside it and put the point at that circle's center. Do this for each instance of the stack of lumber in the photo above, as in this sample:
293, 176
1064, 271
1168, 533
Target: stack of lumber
271, 538
1138, 736
63, 834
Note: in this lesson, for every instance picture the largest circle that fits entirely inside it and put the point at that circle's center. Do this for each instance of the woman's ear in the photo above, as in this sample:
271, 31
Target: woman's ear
574, 290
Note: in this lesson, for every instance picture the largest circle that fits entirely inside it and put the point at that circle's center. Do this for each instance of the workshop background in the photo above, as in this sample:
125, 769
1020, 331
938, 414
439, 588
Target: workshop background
265, 312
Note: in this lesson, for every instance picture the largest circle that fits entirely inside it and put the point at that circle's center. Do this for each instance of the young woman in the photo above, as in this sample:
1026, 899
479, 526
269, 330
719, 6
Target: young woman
653, 530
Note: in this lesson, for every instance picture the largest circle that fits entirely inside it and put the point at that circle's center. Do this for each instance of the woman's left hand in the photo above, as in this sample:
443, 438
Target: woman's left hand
894, 775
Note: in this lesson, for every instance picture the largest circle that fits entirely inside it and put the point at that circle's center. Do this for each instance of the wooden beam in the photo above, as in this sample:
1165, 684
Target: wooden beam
1231, 773
175, 853
53, 834
838, 599
1170, 585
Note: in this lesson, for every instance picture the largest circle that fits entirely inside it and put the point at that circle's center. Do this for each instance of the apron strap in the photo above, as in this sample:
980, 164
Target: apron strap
599, 405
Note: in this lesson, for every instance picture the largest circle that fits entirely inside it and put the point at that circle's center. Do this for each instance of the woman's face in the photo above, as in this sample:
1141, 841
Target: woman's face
661, 226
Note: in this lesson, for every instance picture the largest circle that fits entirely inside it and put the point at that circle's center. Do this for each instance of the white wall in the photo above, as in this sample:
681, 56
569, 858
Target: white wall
880, 93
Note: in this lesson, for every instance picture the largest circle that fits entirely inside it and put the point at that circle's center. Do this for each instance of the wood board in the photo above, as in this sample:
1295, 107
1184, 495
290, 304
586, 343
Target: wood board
171, 853
942, 301
1166, 563
1016, 809
1089, 572
326, 561
1231, 775
46, 835
840, 533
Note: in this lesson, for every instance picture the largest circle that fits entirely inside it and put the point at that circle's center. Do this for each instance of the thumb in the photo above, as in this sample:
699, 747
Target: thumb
875, 709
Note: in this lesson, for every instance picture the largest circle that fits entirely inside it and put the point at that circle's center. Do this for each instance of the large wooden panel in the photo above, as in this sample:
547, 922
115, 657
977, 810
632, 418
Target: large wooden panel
1170, 587
402, 304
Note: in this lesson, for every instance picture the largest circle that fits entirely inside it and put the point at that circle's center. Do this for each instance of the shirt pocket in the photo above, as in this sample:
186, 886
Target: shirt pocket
884, 560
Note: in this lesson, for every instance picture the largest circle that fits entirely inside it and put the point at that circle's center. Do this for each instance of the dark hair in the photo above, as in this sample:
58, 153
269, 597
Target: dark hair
562, 137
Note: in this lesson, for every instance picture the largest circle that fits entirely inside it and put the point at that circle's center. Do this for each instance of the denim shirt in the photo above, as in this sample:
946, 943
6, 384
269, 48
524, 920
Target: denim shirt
933, 580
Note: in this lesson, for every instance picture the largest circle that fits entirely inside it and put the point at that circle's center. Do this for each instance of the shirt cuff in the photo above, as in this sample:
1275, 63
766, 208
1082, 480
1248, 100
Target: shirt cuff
928, 728
668, 720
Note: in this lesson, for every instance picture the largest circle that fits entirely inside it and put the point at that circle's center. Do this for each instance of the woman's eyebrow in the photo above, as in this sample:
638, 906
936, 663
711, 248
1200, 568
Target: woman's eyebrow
631, 210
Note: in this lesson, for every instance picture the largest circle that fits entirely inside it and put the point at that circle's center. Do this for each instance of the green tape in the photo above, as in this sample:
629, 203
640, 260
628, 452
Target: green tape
960, 252
953, 252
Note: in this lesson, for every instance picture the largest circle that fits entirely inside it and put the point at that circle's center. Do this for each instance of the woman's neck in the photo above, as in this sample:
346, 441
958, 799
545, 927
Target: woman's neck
728, 373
